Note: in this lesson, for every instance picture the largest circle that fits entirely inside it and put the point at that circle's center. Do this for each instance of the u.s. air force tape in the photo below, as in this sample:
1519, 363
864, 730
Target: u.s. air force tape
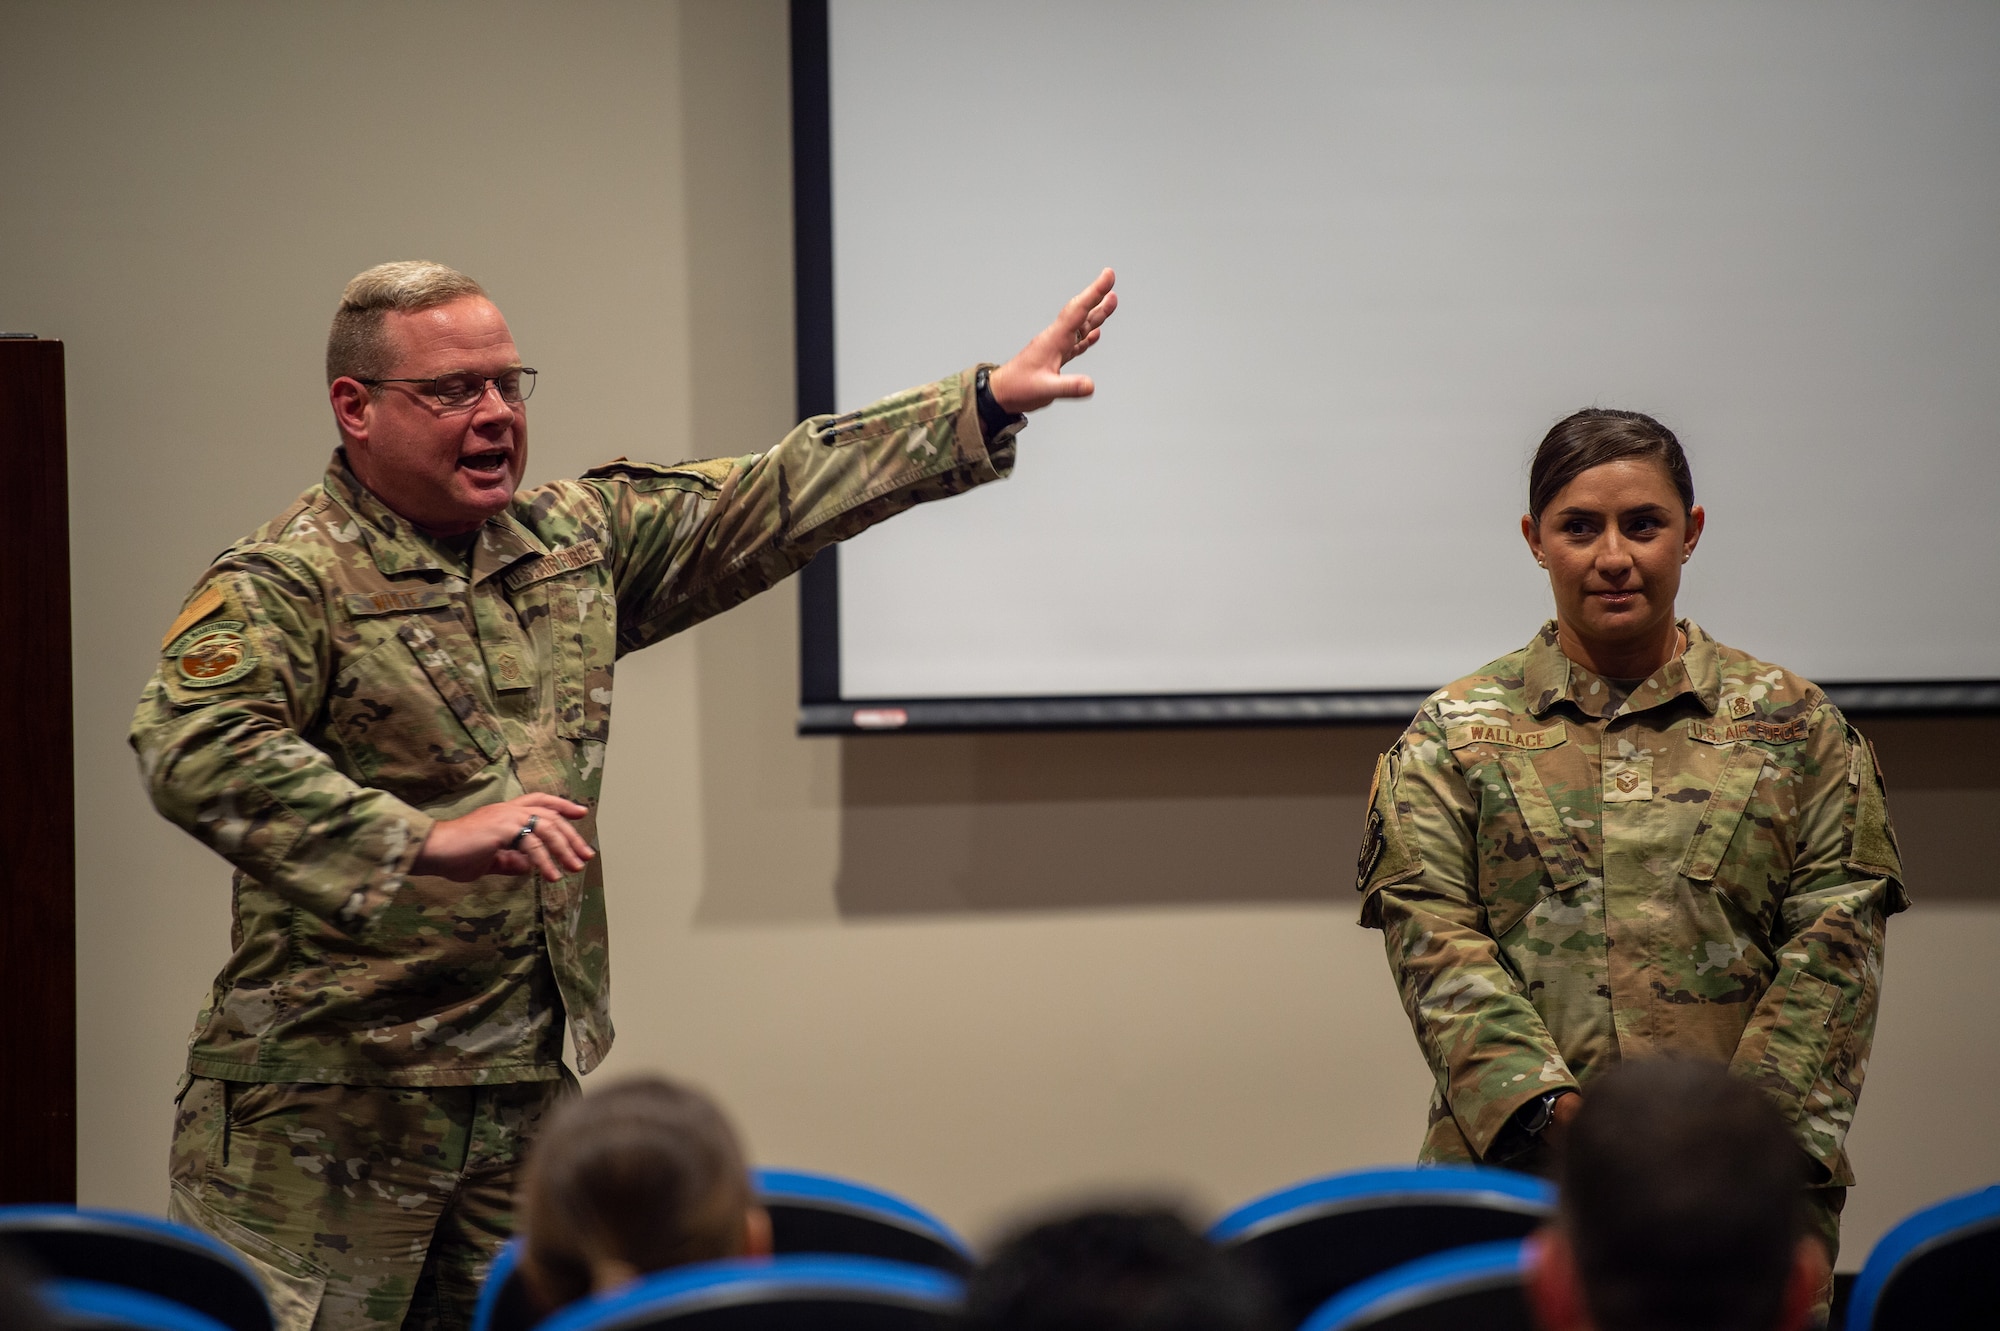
212, 654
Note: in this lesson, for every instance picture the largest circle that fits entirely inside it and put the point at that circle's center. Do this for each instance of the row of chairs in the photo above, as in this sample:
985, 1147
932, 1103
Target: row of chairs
1384, 1250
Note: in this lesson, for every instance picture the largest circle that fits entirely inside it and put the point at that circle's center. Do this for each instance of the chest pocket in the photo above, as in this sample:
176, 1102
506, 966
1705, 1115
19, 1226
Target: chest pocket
1734, 785
583, 629
1741, 848
1525, 852
1562, 861
401, 708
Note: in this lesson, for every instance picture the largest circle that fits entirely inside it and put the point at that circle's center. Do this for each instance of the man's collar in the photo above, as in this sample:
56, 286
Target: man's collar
1550, 678
503, 542
399, 547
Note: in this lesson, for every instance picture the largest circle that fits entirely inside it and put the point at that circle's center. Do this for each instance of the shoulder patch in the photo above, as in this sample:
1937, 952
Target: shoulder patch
210, 655
708, 473
1371, 848
1371, 832
1462, 736
1385, 857
206, 603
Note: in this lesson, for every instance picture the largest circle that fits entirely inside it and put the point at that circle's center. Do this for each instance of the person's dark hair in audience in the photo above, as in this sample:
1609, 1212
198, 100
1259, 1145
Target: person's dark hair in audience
21, 1308
641, 1176
1137, 1268
1681, 1209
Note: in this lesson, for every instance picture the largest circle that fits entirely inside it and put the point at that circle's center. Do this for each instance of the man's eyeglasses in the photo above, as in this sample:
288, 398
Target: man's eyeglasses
465, 388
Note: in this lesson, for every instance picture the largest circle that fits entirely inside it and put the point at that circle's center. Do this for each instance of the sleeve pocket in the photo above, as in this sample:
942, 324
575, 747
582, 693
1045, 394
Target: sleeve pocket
1801, 1033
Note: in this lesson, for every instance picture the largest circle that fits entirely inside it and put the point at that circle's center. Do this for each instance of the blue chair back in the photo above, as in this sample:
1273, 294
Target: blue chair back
503, 1300
1938, 1268
810, 1214
1480, 1288
1315, 1239
141, 1253
820, 1213
88, 1305
781, 1294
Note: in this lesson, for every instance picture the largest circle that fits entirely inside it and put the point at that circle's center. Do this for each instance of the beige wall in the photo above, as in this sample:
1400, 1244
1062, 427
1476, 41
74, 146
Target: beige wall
988, 971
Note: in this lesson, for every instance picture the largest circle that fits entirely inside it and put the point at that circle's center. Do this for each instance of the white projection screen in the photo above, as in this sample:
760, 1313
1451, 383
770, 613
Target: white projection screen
1368, 253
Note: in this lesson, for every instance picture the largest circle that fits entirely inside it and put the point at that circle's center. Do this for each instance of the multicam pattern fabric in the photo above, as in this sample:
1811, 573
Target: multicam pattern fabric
393, 680
1566, 875
358, 1206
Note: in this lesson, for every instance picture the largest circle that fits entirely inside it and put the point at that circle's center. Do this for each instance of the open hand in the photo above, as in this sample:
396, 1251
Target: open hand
490, 840
1034, 378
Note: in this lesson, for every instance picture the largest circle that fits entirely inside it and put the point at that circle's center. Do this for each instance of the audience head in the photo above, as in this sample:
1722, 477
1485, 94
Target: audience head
1139, 1268
641, 1176
1682, 1199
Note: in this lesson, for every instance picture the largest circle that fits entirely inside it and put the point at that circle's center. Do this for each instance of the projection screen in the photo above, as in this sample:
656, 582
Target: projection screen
1368, 253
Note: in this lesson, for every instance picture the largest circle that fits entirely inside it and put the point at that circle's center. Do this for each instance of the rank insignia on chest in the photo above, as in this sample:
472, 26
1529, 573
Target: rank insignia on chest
508, 673
212, 654
1628, 780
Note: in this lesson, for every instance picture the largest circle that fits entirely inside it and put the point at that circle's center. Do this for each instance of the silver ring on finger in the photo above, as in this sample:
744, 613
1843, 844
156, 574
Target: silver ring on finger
526, 832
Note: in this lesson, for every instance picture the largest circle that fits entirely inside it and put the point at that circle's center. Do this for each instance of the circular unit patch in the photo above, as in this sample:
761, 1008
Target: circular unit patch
1371, 849
213, 654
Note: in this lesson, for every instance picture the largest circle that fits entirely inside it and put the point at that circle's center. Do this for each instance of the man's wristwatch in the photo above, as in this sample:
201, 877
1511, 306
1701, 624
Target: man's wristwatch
993, 418
1535, 1116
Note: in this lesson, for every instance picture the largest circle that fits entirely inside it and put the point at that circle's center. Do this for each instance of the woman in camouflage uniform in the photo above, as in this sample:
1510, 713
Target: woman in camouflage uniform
1627, 838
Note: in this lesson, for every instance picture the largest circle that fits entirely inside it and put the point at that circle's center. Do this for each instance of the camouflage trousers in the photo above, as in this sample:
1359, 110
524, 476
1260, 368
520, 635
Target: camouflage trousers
360, 1206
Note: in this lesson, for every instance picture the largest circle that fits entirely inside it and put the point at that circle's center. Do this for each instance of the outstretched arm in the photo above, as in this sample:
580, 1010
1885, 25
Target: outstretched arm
689, 541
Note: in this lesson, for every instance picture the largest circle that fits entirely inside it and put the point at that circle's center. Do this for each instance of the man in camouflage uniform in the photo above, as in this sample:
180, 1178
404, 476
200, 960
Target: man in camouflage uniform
1566, 874
388, 707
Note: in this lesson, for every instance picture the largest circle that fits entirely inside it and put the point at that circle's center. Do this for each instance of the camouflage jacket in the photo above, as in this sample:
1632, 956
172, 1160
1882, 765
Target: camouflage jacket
1564, 878
337, 681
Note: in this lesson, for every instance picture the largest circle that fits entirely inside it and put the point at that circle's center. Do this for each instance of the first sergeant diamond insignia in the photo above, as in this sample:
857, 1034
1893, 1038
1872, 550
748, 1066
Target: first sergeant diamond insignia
212, 654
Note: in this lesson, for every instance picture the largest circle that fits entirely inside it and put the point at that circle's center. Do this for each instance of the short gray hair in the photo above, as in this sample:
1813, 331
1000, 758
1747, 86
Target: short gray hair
355, 345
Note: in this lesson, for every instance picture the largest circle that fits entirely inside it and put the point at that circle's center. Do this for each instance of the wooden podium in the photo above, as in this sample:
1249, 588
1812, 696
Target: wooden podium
38, 852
